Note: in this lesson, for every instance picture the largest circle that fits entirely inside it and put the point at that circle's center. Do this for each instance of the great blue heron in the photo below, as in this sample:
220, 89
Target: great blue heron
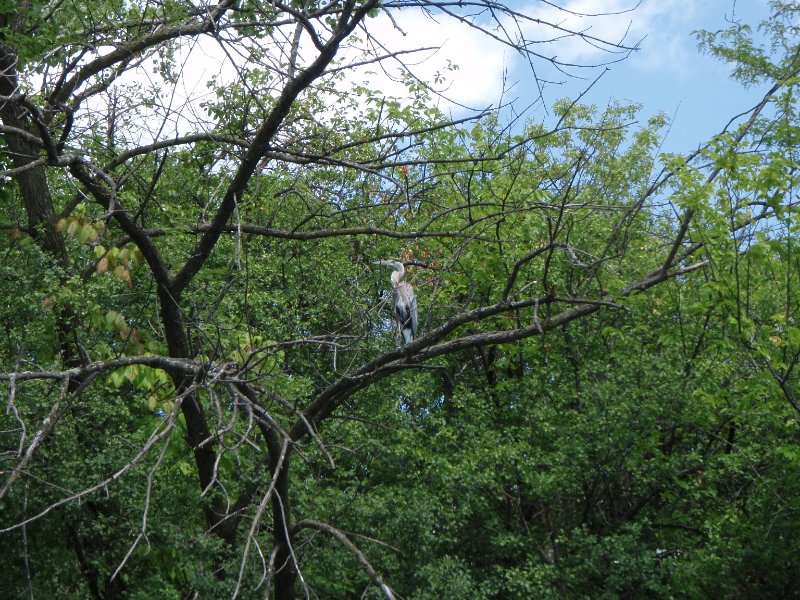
405, 302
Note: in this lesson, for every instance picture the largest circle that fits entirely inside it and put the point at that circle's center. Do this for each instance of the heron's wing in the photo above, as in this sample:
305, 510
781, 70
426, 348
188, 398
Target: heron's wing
405, 306
414, 317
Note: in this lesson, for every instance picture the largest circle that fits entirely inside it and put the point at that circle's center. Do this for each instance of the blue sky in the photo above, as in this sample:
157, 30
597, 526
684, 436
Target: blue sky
667, 74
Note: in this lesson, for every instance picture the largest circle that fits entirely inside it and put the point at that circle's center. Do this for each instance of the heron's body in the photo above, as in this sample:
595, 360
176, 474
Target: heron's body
405, 310
405, 302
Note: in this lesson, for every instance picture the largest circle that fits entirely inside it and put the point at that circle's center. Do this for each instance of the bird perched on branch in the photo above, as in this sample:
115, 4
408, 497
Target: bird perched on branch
405, 302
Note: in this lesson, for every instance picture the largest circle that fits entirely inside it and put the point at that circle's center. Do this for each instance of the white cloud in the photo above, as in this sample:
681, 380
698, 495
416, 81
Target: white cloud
612, 25
662, 27
477, 82
667, 27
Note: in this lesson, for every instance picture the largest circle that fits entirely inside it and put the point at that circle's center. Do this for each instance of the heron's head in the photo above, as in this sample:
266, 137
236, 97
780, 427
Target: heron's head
399, 269
395, 264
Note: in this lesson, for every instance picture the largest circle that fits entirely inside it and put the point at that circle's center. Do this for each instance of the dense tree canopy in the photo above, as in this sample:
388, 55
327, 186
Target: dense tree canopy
206, 395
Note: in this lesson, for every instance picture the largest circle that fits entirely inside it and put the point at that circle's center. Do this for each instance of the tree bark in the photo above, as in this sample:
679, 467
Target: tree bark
32, 180
285, 570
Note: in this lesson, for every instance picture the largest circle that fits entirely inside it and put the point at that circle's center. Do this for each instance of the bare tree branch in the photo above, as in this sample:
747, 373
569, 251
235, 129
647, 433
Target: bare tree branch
345, 541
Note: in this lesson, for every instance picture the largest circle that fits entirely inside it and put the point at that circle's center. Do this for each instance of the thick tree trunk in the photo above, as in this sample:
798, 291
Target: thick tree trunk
36, 197
198, 434
285, 568
32, 180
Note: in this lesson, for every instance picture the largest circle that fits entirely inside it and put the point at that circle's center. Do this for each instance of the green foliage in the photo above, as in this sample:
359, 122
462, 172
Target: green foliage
647, 447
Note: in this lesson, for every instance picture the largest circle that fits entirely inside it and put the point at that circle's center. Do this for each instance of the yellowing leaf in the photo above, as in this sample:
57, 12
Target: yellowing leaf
111, 317
131, 373
87, 233
119, 272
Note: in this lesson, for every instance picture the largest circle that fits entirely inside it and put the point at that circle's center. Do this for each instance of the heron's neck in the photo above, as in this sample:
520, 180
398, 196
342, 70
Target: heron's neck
396, 277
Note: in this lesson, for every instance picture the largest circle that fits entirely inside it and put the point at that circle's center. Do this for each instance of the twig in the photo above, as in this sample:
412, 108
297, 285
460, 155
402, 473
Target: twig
254, 525
143, 532
345, 541
47, 426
